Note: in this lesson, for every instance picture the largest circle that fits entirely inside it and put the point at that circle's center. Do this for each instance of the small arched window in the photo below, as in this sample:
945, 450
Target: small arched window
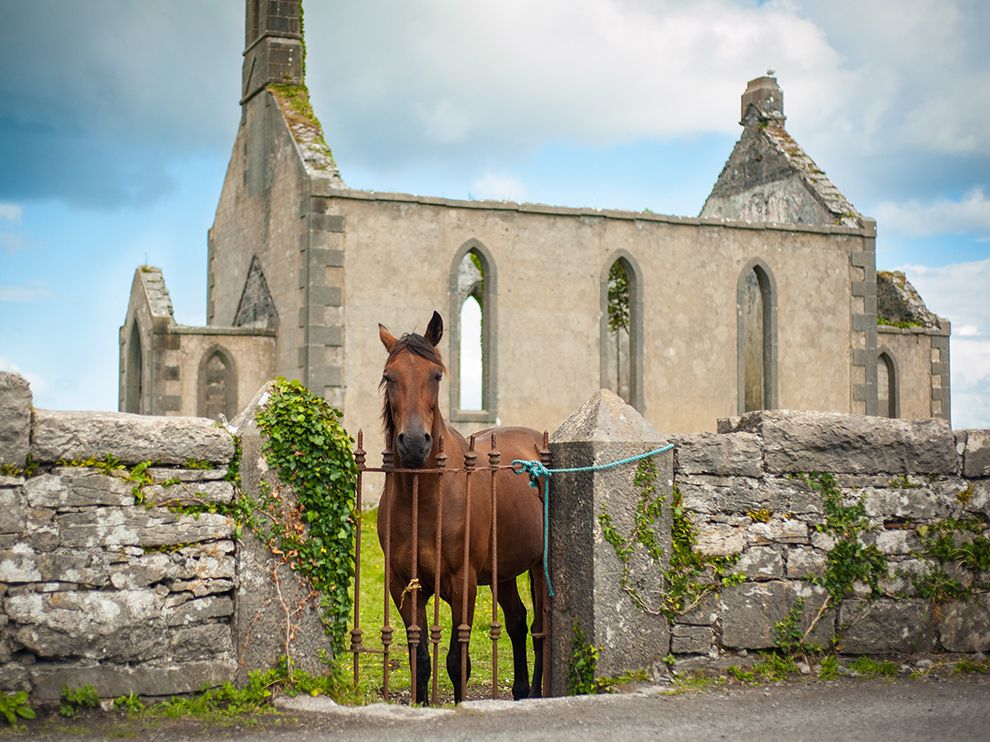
472, 347
622, 329
887, 386
217, 384
134, 371
757, 338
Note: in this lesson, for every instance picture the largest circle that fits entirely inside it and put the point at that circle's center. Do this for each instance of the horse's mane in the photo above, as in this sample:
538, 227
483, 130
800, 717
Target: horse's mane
412, 343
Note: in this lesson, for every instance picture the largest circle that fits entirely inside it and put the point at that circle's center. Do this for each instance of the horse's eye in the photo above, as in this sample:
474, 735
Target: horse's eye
437, 376
386, 379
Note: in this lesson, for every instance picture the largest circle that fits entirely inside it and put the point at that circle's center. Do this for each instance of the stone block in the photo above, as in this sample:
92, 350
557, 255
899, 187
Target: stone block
136, 526
976, 456
886, 626
824, 441
900, 541
188, 493
904, 504
750, 611
13, 510
72, 487
704, 613
719, 539
779, 531
734, 454
585, 569
14, 676
691, 639
122, 626
168, 473
964, 625
146, 679
198, 610
761, 563
201, 642
23, 564
130, 438
15, 419
804, 562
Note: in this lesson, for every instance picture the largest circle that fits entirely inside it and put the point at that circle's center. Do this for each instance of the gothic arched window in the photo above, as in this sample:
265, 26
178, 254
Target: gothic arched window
217, 385
757, 338
622, 329
472, 347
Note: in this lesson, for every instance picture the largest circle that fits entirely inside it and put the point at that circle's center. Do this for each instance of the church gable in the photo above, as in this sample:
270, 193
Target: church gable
769, 177
256, 307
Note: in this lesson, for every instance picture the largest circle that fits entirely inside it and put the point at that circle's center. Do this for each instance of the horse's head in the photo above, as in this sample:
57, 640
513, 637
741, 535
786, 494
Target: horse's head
411, 381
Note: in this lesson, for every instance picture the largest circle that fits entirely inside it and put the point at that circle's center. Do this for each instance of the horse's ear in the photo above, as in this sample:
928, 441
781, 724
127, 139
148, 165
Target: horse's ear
387, 338
434, 331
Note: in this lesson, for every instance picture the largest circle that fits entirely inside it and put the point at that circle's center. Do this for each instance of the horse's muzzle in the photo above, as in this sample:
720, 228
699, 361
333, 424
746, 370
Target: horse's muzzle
413, 449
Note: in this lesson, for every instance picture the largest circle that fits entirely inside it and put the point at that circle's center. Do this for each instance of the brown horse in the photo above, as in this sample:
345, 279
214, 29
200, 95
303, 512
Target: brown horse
414, 428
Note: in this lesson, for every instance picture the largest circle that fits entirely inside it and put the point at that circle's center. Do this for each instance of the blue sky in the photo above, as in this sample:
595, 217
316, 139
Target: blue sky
117, 119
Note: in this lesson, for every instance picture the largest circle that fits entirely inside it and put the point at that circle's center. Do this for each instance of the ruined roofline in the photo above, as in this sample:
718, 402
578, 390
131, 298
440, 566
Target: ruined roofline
866, 229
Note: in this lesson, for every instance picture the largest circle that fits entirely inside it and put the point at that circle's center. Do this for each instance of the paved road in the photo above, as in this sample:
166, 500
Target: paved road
903, 711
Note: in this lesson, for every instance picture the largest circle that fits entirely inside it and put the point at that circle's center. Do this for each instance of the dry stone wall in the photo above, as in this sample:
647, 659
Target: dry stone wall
749, 495
115, 573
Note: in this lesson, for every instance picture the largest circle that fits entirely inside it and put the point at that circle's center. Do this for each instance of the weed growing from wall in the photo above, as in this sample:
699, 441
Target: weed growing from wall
849, 561
689, 575
581, 670
956, 554
15, 706
309, 448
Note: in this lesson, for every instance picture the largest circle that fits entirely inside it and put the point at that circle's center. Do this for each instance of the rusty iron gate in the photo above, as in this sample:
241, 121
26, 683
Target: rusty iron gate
414, 631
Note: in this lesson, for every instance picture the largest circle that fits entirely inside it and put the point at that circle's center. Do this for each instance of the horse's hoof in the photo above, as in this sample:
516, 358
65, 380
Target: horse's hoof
519, 693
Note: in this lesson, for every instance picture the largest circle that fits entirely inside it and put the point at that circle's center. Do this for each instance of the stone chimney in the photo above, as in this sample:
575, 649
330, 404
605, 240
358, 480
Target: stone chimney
273, 45
766, 98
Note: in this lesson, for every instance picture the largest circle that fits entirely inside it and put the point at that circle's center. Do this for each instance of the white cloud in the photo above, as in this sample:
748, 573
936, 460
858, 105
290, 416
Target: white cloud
968, 215
500, 187
10, 213
33, 291
510, 75
38, 384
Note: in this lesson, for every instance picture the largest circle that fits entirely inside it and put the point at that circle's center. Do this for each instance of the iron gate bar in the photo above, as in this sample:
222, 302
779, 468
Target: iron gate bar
359, 456
387, 462
435, 628
495, 629
464, 629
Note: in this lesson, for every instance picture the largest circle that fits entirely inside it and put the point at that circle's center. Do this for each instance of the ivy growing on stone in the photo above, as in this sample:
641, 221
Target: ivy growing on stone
581, 670
309, 448
689, 575
956, 553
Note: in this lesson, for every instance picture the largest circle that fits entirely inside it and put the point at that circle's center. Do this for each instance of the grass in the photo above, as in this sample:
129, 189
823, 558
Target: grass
372, 619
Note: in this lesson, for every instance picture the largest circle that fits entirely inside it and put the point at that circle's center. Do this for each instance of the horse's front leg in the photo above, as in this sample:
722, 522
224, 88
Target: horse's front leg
462, 614
408, 597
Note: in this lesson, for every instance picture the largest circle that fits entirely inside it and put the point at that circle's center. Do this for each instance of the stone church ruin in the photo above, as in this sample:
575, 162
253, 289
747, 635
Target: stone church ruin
769, 299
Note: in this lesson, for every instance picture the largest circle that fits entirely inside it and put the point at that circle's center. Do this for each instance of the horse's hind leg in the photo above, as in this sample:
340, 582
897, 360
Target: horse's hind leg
515, 624
537, 584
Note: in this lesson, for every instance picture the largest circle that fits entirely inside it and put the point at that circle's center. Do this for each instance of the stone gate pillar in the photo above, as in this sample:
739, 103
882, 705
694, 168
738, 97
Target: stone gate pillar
614, 600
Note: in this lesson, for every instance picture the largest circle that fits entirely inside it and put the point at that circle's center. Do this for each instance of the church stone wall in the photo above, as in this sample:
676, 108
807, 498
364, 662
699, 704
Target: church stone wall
920, 357
550, 262
263, 199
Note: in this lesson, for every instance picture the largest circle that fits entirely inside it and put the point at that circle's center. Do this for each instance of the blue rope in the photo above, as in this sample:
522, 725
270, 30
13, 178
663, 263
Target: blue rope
536, 469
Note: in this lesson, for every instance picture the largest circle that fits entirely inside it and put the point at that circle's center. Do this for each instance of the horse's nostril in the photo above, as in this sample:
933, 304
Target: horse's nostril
428, 437
402, 438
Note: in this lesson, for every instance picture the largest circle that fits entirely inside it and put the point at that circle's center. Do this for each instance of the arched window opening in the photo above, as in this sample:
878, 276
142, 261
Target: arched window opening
619, 374
622, 329
134, 372
472, 361
757, 344
472, 354
217, 387
886, 386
